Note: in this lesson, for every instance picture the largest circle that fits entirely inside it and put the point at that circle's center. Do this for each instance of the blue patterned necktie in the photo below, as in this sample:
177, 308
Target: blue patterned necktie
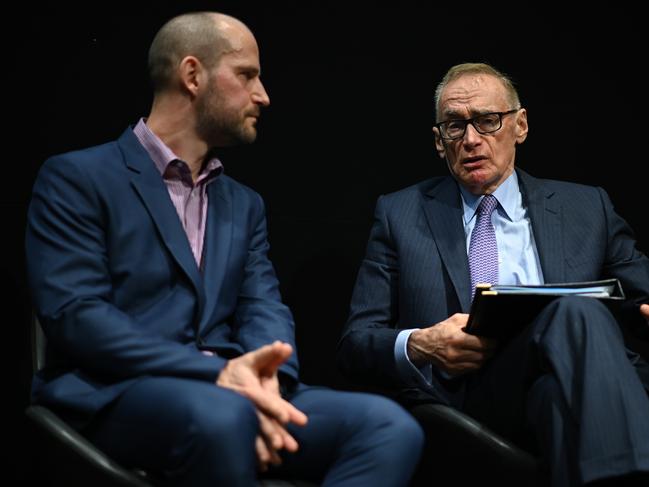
483, 250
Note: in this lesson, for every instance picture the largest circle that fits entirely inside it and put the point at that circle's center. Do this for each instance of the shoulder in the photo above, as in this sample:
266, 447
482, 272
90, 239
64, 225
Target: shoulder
89, 156
406, 204
566, 191
97, 161
567, 186
92, 166
412, 194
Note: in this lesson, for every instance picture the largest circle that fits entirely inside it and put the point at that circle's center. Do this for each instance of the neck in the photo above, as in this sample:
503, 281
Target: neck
172, 120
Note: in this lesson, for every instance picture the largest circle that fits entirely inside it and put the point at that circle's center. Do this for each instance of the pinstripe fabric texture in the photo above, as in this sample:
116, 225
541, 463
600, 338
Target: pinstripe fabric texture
483, 250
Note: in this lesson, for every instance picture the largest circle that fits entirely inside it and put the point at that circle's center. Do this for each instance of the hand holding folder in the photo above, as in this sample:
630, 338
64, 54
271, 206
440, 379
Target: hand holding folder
500, 311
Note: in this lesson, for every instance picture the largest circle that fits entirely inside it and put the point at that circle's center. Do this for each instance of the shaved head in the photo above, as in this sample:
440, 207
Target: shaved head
205, 35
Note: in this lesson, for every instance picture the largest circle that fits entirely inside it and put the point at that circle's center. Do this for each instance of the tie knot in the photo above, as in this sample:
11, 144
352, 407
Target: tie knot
488, 204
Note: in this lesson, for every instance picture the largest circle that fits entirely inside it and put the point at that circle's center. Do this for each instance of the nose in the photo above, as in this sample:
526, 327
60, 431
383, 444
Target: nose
471, 135
259, 94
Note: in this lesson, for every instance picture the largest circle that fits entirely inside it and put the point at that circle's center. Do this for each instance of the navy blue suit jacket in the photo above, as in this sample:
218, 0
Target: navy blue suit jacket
116, 286
416, 272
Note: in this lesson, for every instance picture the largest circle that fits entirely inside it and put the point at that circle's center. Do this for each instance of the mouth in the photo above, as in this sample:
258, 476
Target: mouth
473, 162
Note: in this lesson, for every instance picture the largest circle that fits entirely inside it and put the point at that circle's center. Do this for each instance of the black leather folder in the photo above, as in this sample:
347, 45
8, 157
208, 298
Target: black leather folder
500, 311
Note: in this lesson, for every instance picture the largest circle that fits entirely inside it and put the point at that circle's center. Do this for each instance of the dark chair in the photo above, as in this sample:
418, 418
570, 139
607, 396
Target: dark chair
65, 457
467, 453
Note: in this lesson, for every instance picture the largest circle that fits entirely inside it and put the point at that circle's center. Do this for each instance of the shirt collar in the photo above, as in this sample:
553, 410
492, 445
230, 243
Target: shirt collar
508, 195
162, 155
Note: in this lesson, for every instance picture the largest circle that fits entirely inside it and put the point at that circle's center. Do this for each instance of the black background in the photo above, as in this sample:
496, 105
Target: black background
351, 90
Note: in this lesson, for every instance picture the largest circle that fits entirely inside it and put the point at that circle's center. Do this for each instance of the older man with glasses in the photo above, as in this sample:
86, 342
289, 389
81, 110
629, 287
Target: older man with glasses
566, 382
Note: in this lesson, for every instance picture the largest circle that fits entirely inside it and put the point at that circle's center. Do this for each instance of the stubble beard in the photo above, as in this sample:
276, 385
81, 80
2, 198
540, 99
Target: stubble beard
219, 125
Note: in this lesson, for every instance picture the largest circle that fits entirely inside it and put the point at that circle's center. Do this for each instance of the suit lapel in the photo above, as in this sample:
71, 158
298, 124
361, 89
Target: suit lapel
443, 209
151, 188
218, 240
545, 215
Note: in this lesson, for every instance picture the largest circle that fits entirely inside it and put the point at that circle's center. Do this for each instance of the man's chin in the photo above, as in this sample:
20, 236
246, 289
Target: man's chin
242, 137
249, 135
476, 181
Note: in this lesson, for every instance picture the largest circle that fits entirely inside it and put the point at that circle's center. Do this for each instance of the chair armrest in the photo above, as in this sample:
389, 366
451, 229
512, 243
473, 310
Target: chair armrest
74, 441
465, 430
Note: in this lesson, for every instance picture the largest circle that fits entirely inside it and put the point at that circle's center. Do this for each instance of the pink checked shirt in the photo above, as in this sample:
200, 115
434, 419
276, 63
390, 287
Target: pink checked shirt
189, 198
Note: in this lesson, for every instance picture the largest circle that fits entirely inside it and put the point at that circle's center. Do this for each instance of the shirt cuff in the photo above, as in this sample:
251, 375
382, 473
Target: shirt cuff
409, 372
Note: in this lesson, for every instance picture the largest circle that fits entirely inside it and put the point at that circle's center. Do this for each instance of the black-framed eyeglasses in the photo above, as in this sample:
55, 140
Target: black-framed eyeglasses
484, 124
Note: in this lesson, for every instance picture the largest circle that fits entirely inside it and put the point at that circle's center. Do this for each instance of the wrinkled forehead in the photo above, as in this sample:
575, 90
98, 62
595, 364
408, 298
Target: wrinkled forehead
473, 92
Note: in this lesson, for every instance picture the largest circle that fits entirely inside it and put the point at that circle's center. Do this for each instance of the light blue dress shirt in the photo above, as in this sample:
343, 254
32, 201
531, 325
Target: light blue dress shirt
518, 259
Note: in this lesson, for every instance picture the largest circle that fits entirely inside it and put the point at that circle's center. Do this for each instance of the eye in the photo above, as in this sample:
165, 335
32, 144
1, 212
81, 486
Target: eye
453, 128
455, 125
248, 74
488, 121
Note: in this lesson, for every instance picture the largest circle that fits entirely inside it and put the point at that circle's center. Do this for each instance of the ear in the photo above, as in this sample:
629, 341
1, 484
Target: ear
439, 143
521, 126
191, 73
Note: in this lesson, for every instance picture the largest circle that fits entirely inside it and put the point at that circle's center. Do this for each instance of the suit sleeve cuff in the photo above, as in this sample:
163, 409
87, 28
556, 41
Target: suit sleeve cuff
409, 372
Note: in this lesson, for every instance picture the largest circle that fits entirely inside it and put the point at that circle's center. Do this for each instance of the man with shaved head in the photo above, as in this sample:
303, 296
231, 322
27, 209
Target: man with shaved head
168, 344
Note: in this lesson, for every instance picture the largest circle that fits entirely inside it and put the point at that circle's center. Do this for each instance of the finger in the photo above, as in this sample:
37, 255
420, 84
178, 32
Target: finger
275, 435
245, 383
263, 455
644, 309
268, 358
270, 404
270, 431
474, 342
267, 452
290, 443
276, 407
269, 455
469, 356
295, 415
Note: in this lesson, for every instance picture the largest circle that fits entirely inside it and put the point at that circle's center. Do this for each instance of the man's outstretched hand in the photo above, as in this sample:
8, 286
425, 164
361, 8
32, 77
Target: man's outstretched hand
254, 375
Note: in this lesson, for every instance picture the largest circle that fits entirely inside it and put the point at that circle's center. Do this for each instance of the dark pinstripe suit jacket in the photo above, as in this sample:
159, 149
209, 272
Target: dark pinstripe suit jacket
416, 272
